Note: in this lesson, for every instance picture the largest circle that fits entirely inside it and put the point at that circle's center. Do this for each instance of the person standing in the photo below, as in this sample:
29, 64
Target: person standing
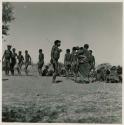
40, 62
55, 55
67, 62
84, 66
6, 59
13, 61
27, 61
74, 63
91, 60
20, 62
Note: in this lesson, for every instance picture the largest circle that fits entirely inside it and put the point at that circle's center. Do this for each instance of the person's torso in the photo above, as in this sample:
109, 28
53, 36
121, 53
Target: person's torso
91, 59
68, 57
27, 57
14, 57
20, 58
8, 54
56, 53
41, 59
74, 58
86, 53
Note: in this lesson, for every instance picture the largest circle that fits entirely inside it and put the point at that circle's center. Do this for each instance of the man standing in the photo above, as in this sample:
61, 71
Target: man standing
55, 54
6, 59
40, 62
27, 61
13, 60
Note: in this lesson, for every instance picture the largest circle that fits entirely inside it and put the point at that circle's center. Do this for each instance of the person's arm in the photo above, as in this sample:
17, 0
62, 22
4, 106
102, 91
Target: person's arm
52, 52
30, 58
77, 60
65, 59
94, 61
43, 58
3, 55
22, 59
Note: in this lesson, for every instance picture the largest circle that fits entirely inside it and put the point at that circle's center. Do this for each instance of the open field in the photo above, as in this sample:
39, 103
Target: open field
36, 99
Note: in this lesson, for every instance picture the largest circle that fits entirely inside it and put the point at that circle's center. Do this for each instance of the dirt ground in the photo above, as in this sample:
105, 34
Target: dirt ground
35, 99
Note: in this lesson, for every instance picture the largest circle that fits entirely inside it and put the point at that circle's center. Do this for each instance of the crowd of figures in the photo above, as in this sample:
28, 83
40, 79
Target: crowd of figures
79, 64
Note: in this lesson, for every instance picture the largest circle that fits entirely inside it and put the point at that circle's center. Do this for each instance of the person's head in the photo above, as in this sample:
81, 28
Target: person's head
81, 48
67, 50
90, 51
86, 46
20, 52
13, 49
26, 51
57, 43
74, 49
40, 50
113, 68
9, 47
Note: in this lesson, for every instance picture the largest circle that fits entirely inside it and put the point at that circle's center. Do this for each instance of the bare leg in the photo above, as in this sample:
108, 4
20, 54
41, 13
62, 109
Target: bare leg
55, 66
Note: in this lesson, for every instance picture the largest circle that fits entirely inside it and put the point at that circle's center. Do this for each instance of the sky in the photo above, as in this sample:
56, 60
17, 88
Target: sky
38, 25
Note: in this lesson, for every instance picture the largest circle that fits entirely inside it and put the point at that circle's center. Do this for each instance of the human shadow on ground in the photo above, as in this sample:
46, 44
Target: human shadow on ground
81, 82
5, 79
58, 81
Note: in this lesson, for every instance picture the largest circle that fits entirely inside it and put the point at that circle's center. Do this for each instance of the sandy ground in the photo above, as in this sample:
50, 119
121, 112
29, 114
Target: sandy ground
90, 103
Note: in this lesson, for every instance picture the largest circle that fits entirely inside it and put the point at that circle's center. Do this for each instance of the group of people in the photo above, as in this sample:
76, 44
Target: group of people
11, 58
112, 74
79, 62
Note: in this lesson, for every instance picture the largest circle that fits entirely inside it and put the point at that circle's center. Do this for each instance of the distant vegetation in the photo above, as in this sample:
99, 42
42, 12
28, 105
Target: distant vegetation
7, 17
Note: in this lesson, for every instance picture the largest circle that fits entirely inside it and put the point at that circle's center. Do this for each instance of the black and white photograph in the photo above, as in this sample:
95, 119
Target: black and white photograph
62, 62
